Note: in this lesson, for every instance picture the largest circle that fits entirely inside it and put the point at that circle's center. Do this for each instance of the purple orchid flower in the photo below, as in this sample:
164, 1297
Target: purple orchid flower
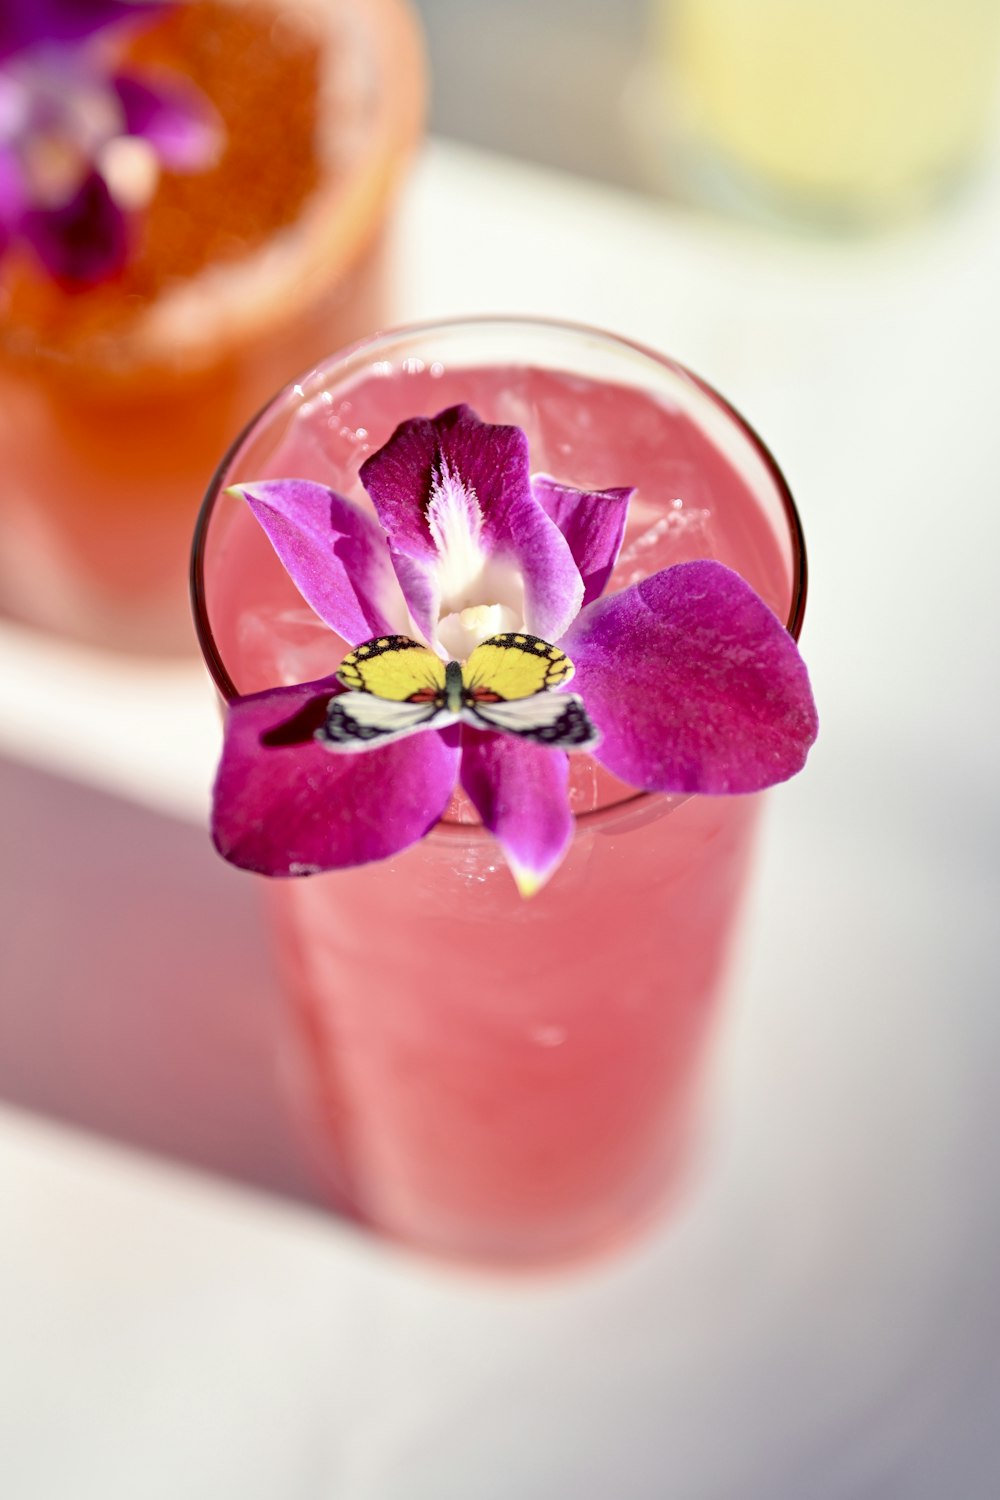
82, 142
692, 683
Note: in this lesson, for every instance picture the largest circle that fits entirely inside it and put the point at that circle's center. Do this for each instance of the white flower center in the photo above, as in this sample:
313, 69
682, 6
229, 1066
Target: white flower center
461, 632
478, 595
456, 524
131, 171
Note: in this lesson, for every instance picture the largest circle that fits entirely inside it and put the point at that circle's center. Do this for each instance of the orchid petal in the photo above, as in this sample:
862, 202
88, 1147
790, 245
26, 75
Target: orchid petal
12, 195
174, 118
519, 790
421, 596
29, 23
593, 523
490, 463
333, 552
399, 479
82, 242
284, 805
694, 684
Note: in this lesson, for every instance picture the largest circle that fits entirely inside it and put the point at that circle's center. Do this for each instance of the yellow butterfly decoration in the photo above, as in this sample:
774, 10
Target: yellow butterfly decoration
397, 686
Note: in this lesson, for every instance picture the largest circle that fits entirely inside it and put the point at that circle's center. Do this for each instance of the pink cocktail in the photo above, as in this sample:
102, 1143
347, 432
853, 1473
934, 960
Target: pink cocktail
482, 1075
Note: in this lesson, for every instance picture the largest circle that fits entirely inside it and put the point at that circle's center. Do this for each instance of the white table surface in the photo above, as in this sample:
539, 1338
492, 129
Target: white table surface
821, 1319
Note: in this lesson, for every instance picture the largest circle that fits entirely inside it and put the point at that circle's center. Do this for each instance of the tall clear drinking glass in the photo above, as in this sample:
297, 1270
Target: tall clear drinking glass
480, 1075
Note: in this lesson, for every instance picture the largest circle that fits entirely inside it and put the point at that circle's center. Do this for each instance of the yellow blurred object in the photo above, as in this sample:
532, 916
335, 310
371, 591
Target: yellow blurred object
849, 108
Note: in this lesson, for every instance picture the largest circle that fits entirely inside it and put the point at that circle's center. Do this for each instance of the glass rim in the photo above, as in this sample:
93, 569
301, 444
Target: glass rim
199, 595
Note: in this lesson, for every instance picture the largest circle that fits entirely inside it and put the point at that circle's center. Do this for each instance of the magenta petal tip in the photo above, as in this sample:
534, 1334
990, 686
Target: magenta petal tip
695, 685
520, 791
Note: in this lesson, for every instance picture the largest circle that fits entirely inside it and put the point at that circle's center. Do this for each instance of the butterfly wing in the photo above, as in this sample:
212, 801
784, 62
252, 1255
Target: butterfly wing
514, 666
558, 720
393, 667
356, 721
506, 685
397, 687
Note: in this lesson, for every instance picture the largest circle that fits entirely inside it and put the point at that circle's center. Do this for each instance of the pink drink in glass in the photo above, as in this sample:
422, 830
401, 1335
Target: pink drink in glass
483, 1076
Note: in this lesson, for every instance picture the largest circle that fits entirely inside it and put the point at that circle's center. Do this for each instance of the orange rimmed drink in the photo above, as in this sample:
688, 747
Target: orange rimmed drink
115, 402
484, 1076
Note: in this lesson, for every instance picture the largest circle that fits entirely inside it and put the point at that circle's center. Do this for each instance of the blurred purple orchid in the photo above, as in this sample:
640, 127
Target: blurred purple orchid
82, 141
692, 683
